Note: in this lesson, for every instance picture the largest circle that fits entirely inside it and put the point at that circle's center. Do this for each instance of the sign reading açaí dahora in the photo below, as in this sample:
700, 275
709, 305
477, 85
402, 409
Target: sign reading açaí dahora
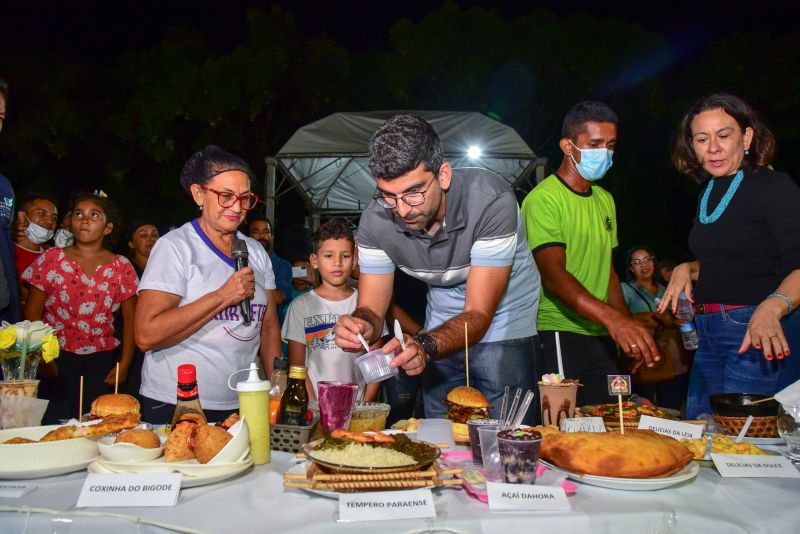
150, 489
673, 429
526, 497
386, 505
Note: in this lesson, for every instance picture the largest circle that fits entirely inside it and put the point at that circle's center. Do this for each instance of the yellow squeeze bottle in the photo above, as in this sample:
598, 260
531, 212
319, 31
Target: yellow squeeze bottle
254, 407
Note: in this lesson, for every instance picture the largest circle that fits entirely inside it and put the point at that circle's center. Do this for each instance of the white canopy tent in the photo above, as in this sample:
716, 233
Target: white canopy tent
326, 161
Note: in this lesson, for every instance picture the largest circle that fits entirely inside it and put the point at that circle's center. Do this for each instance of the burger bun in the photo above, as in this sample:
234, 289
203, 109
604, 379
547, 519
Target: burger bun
114, 404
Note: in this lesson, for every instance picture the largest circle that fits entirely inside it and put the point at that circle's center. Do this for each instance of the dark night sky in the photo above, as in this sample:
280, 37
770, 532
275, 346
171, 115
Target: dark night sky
96, 32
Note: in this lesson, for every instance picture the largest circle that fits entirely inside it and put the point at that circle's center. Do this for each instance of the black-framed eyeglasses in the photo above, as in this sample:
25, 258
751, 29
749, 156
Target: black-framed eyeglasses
414, 198
226, 199
639, 261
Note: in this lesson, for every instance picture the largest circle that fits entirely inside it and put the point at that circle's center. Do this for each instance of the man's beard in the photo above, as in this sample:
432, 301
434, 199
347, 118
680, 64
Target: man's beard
267, 246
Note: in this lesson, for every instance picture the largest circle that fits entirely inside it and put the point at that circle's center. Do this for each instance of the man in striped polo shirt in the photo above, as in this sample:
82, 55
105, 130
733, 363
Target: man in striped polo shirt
459, 231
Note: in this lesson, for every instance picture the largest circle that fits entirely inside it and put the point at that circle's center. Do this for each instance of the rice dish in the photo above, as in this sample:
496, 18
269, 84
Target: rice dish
361, 455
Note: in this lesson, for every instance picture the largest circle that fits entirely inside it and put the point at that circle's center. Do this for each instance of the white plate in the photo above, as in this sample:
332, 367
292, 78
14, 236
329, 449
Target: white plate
43, 472
191, 481
632, 484
760, 441
301, 468
191, 468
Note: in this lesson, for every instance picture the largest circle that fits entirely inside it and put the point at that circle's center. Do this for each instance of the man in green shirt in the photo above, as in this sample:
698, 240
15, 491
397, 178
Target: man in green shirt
571, 226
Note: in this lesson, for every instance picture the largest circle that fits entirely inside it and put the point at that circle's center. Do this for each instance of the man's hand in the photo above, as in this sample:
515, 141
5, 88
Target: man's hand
347, 329
413, 359
635, 341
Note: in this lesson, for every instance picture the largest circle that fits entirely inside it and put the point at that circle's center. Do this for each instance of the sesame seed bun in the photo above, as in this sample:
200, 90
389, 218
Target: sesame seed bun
114, 404
467, 396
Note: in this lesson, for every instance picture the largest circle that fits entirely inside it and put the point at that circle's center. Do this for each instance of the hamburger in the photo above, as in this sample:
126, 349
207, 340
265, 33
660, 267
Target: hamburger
466, 403
114, 404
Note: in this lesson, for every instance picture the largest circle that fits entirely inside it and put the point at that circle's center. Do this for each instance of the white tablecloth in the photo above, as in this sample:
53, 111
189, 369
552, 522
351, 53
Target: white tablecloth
256, 502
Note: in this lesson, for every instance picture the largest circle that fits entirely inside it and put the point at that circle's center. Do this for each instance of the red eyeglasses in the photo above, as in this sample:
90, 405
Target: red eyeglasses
248, 201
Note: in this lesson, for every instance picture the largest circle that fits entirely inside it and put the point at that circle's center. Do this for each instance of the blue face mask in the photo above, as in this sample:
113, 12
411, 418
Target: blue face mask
595, 162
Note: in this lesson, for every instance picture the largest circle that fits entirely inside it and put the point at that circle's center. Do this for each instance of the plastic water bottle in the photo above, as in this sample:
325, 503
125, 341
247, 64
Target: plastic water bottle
685, 308
689, 335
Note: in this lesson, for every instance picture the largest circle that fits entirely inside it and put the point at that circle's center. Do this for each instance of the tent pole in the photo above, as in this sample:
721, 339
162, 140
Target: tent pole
269, 191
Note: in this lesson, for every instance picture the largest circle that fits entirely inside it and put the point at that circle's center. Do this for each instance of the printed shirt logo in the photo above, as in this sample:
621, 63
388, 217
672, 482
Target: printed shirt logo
318, 330
608, 224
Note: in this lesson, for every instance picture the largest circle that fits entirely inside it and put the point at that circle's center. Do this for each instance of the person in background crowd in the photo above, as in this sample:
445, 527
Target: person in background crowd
306, 278
63, 236
746, 241
665, 268
642, 295
260, 229
458, 230
9, 298
77, 290
311, 317
142, 235
571, 224
190, 295
33, 229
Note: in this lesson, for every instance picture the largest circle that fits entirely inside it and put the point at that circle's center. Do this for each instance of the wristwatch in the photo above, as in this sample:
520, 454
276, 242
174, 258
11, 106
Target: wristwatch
428, 343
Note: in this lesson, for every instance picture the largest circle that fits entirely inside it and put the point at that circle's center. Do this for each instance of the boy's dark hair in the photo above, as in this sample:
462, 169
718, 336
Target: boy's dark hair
333, 229
205, 164
4, 89
401, 144
108, 207
26, 200
584, 112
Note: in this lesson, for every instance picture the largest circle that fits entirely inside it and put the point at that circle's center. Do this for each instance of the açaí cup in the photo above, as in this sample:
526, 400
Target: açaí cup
519, 454
474, 440
335, 404
557, 401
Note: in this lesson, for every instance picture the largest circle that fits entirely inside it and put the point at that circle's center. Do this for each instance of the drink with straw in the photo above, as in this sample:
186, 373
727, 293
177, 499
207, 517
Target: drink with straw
557, 397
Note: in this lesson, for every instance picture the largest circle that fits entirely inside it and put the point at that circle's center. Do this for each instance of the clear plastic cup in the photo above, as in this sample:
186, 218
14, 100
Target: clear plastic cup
374, 366
519, 454
474, 440
490, 453
336, 404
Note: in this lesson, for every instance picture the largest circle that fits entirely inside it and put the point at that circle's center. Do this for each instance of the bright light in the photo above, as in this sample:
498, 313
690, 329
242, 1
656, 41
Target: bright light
474, 152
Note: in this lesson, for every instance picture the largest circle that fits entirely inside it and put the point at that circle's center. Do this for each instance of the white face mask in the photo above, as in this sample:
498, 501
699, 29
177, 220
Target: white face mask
64, 238
38, 234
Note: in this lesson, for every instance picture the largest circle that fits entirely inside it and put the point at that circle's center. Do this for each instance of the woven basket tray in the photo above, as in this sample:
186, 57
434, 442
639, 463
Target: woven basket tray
291, 438
761, 427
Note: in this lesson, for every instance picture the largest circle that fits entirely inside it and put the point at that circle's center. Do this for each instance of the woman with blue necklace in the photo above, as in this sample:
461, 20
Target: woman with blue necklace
745, 282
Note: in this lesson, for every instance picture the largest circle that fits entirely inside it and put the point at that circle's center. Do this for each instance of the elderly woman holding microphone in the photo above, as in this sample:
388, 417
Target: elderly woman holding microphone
746, 238
190, 306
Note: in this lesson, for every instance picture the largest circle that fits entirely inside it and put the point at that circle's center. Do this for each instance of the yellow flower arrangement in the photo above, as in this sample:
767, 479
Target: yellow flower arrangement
50, 348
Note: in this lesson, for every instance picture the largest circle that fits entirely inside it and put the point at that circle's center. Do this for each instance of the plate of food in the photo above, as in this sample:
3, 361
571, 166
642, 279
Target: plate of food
189, 481
635, 460
702, 447
631, 412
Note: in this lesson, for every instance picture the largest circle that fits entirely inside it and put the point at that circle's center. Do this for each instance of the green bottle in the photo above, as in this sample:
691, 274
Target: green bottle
294, 403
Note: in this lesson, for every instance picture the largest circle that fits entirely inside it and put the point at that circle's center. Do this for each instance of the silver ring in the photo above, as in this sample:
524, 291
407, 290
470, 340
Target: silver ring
634, 346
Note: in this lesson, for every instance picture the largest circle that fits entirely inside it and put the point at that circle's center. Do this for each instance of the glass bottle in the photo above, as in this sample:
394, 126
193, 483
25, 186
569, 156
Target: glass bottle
278, 380
188, 402
294, 403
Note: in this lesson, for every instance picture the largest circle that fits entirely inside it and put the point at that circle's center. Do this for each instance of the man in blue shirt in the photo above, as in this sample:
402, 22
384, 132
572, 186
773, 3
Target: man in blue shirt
9, 298
260, 229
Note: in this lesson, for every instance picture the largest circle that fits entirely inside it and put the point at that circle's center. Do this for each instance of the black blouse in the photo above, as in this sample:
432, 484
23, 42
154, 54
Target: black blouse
746, 253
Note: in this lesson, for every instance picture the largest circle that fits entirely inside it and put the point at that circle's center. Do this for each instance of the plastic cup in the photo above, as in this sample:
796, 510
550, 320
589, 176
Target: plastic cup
490, 454
474, 440
557, 402
336, 404
374, 366
519, 454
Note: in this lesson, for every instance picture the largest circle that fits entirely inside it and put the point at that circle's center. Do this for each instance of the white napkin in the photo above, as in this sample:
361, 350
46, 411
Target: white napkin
18, 412
789, 395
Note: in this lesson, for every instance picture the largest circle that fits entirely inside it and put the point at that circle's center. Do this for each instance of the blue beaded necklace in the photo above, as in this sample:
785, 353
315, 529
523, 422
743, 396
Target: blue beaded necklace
702, 215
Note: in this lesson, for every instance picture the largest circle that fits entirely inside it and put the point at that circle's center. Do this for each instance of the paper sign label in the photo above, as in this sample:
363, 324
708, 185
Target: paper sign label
583, 424
13, 491
525, 497
152, 489
754, 466
386, 505
619, 385
673, 429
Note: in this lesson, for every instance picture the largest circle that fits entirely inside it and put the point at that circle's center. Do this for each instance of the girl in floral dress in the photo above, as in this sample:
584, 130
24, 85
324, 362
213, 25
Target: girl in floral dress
77, 290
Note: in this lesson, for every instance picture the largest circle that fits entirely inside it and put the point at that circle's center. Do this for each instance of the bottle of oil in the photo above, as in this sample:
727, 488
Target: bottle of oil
294, 403
187, 406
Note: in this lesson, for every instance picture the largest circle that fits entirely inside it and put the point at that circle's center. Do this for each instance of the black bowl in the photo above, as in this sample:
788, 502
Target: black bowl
734, 405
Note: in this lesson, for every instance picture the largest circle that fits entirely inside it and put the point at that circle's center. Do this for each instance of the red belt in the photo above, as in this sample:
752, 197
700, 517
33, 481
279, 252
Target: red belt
715, 308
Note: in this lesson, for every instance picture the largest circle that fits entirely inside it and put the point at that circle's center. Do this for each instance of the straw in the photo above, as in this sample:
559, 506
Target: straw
80, 401
363, 342
558, 357
504, 406
116, 379
523, 408
466, 349
513, 410
744, 429
23, 353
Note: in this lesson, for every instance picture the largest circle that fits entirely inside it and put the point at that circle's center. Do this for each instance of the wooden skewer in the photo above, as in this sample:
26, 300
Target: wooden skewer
466, 349
116, 380
759, 401
80, 401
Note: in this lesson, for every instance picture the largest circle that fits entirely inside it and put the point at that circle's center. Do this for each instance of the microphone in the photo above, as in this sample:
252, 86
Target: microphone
240, 255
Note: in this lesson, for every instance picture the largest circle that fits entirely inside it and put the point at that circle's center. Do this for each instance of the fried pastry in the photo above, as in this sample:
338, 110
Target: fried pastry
141, 438
180, 442
62, 432
18, 441
636, 454
208, 441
